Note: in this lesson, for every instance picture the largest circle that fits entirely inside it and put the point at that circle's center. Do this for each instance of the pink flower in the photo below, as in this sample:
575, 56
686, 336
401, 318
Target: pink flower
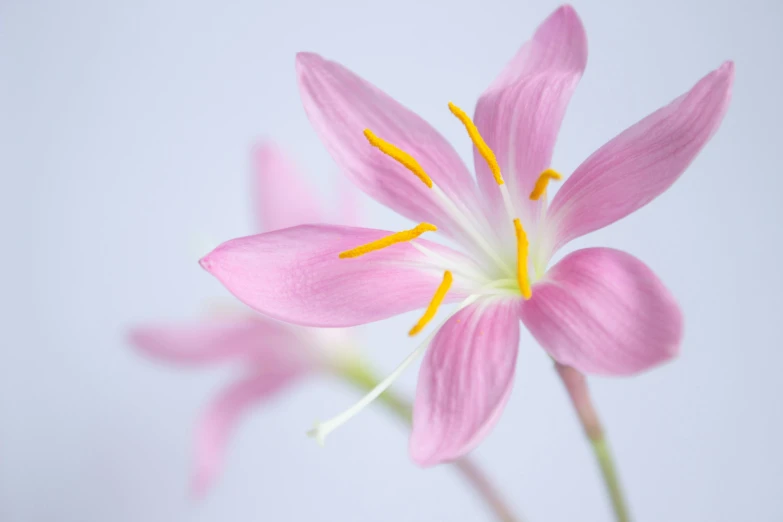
272, 355
597, 310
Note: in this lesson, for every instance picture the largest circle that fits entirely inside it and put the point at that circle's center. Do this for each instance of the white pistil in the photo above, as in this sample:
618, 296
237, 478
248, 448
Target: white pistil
322, 429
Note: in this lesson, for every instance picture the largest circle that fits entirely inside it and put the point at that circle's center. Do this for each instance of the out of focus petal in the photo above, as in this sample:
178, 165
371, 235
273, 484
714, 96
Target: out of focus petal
348, 204
264, 341
282, 197
221, 418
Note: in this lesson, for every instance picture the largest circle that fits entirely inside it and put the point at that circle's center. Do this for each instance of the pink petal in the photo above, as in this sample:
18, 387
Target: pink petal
603, 311
295, 275
341, 106
220, 419
519, 115
217, 340
465, 380
283, 199
641, 162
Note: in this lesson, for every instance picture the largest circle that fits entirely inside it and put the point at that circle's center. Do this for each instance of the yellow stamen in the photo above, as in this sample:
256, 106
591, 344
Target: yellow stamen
478, 141
543, 181
407, 161
432, 309
522, 244
397, 237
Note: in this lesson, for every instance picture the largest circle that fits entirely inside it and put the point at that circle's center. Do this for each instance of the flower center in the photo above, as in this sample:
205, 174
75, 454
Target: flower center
516, 281
465, 221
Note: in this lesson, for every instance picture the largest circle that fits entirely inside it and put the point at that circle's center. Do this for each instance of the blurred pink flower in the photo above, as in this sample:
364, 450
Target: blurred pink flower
273, 355
598, 310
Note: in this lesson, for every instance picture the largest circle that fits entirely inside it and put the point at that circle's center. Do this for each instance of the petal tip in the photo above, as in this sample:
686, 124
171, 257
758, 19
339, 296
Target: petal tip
422, 455
561, 18
266, 157
564, 26
665, 355
262, 148
137, 337
722, 78
672, 351
567, 13
207, 263
306, 59
199, 486
726, 70
566, 10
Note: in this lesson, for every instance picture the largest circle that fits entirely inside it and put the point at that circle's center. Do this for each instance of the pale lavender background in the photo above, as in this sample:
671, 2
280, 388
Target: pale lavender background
125, 129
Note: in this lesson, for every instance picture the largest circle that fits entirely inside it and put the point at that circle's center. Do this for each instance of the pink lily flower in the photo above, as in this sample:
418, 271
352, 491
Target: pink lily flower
598, 310
272, 355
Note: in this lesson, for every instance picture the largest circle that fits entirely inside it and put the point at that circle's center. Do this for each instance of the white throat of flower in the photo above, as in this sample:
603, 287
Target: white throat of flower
515, 283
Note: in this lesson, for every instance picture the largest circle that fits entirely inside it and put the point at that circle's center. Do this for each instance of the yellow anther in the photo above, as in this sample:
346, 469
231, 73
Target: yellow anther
478, 141
397, 237
522, 245
407, 161
543, 181
432, 309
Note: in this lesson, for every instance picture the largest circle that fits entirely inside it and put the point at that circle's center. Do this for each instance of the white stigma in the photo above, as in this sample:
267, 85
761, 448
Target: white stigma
322, 429
319, 434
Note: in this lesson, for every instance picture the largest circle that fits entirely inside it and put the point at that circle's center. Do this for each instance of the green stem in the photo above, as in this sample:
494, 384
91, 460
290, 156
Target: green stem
609, 473
576, 385
361, 377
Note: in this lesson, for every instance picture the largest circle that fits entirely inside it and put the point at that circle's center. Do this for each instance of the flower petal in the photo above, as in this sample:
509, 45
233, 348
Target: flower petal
283, 198
218, 422
641, 162
216, 340
519, 115
603, 311
295, 275
465, 380
341, 105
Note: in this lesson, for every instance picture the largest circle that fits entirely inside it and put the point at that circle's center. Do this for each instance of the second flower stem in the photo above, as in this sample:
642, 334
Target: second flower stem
576, 385
360, 376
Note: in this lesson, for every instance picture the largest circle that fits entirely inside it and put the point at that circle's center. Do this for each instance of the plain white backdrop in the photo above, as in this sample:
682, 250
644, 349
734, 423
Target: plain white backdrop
125, 130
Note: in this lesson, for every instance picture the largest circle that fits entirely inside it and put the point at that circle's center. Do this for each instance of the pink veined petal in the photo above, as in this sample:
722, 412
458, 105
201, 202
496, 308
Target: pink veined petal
261, 340
219, 421
603, 311
465, 380
519, 115
282, 198
641, 162
295, 275
341, 105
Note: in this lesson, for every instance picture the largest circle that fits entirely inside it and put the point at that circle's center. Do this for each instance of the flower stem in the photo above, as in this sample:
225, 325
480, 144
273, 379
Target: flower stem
576, 385
361, 377
475, 476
